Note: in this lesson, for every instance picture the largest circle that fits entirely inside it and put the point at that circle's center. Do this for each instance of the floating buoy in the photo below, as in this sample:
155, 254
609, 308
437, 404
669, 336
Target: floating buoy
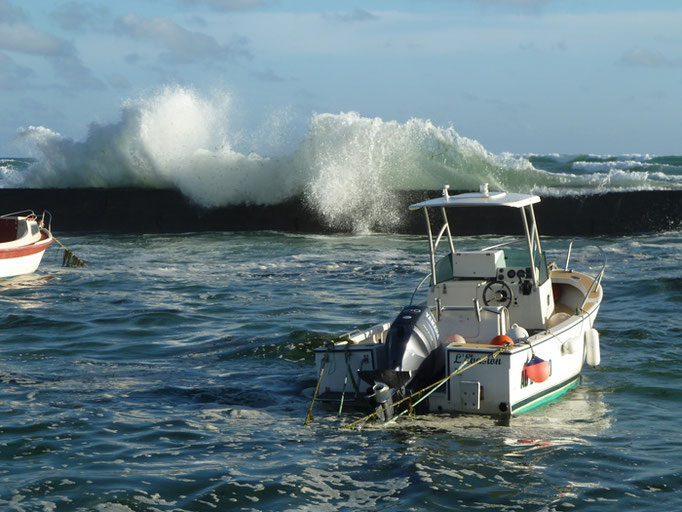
573, 346
456, 339
556, 319
517, 333
537, 369
592, 355
501, 339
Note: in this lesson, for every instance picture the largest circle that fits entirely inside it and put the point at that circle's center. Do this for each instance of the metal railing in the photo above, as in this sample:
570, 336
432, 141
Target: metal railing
419, 286
45, 218
596, 281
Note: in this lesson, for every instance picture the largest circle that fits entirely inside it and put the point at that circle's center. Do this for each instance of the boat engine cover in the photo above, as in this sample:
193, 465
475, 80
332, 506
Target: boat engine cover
412, 337
414, 357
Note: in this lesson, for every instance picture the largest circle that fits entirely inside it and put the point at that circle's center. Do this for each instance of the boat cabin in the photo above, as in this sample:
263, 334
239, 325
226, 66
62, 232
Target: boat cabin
479, 294
17, 231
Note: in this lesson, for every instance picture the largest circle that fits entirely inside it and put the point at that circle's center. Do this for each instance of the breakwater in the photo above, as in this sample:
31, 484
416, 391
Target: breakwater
140, 210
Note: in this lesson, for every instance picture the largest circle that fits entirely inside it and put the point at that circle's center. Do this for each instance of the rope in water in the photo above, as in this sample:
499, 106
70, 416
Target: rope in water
309, 417
349, 373
411, 406
436, 384
69, 259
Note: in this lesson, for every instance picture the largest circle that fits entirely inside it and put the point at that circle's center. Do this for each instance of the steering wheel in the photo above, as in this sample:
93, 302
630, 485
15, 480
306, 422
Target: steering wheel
497, 293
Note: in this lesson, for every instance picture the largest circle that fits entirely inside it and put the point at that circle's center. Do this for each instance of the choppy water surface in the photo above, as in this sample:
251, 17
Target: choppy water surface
175, 372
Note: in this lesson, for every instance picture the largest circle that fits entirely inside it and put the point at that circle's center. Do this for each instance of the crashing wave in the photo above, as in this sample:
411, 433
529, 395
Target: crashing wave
347, 167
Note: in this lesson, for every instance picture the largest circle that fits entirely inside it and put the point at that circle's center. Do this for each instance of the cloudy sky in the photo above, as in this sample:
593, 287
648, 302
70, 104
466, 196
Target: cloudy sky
522, 76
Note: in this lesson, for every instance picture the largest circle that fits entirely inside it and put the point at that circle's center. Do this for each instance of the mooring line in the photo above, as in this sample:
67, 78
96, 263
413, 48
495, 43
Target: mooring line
436, 384
421, 399
309, 417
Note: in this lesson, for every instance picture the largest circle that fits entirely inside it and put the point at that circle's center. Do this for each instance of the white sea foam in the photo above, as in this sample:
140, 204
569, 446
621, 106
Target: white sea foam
608, 165
347, 167
9, 175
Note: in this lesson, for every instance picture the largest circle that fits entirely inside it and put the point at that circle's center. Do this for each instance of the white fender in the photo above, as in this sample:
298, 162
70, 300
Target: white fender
572, 346
593, 356
517, 333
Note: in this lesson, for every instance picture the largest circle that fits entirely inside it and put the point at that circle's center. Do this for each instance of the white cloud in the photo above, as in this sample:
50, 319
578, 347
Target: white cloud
77, 16
75, 73
181, 45
520, 5
647, 58
132, 58
12, 75
358, 15
267, 75
118, 81
227, 5
18, 36
23, 38
10, 14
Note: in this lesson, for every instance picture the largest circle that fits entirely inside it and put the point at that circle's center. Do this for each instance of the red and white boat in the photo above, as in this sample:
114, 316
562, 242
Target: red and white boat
24, 237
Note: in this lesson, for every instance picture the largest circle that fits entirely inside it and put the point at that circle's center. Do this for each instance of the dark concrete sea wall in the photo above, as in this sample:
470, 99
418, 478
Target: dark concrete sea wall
135, 210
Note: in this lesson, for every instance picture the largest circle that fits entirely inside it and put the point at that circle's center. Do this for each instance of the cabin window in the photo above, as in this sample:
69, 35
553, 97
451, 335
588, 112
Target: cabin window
444, 269
544, 271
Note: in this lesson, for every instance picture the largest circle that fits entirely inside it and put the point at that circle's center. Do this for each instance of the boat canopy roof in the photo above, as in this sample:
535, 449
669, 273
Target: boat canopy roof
482, 198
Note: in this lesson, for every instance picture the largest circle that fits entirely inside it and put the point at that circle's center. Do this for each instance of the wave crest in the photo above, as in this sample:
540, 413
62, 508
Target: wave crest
347, 167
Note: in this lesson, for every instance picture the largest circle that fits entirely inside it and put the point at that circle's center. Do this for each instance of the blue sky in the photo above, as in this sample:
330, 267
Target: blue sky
517, 75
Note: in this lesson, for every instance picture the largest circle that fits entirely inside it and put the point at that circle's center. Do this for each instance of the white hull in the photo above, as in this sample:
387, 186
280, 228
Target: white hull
10, 267
504, 388
495, 387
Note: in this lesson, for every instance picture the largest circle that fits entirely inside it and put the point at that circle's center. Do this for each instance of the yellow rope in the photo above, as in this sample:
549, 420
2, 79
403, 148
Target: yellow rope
309, 417
435, 384
422, 398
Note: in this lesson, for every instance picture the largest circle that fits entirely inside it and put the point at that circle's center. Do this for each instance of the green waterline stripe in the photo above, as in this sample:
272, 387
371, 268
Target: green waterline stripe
547, 396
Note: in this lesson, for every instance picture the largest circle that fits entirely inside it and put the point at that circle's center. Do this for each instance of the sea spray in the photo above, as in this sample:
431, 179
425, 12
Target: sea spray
356, 164
347, 167
172, 139
187, 139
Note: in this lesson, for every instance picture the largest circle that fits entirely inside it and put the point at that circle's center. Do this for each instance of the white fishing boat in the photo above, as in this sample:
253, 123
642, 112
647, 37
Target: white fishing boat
501, 331
24, 237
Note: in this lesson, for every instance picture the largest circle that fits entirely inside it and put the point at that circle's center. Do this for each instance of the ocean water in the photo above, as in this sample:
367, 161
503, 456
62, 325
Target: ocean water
175, 373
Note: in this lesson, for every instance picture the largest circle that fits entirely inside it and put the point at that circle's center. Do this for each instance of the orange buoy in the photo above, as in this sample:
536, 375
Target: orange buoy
501, 339
537, 370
